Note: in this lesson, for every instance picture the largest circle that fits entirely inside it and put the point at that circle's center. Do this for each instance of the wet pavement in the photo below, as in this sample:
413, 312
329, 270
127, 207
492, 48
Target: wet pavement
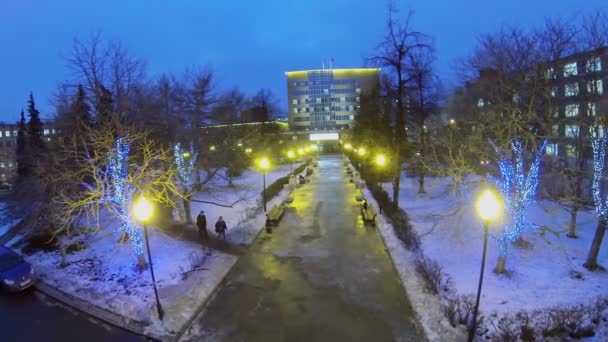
320, 276
32, 316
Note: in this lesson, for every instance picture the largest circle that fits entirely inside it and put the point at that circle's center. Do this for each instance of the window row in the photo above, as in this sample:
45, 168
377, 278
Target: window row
571, 69
574, 110
325, 82
8, 134
4, 165
325, 91
324, 109
572, 131
323, 100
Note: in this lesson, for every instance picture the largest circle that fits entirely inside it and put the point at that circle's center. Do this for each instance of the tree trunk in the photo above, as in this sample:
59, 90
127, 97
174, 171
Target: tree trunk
572, 229
187, 210
591, 263
198, 182
141, 262
421, 183
396, 182
500, 266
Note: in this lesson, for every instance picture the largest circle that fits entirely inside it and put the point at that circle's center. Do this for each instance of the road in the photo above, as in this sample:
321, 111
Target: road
32, 316
320, 276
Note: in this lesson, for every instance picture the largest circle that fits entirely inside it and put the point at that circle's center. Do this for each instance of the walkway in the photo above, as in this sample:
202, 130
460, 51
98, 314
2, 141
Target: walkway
320, 276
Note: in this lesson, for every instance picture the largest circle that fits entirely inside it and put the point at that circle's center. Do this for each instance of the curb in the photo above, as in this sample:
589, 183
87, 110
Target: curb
179, 334
92, 310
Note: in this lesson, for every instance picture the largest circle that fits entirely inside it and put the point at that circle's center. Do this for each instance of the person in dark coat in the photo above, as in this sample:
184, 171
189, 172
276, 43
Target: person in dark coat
201, 223
220, 228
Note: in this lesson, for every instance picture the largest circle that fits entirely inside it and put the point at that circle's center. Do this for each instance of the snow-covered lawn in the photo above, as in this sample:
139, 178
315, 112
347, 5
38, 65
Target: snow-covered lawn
105, 274
243, 219
545, 274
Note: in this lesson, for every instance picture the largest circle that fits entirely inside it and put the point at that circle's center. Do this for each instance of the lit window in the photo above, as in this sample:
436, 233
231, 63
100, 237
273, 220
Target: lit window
358, 99
550, 73
571, 110
10, 164
352, 117
595, 87
0, 134
555, 130
358, 90
294, 101
597, 131
325, 91
326, 109
295, 110
554, 91
570, 69
591, 109
318, 100
552, 149
594, 64
556, 114
571, 89
7, 133
572, 131
480, 103
570, 151
2, 165
15, 133
516, 98
53, 131
46, 132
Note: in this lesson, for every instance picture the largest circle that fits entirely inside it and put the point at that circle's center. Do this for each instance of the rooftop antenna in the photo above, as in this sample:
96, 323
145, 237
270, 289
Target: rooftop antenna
323, 64
331, 63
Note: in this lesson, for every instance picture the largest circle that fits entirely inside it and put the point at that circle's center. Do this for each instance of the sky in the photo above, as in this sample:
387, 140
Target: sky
249, 44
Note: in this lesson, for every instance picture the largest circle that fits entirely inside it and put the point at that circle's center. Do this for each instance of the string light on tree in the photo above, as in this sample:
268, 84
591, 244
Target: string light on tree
185, 162
599, 161
517, 187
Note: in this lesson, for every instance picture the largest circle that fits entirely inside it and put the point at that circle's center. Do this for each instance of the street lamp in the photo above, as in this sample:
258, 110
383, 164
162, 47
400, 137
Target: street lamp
361, 151
248, 150
264, 164
348, 146
142, 209
488, 208
300, 151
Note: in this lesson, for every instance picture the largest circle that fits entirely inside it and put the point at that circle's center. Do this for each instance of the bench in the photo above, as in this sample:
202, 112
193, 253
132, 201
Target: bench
359, 195
369, 215
275, 214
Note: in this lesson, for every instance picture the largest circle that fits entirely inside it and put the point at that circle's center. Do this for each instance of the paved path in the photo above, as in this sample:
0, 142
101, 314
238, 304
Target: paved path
320, 276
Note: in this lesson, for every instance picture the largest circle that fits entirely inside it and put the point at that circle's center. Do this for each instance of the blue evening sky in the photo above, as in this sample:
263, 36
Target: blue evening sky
248, 43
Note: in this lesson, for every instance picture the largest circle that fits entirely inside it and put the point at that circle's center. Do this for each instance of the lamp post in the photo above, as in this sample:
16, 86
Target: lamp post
291, 155
264, 165
143, 211
488, 208
380, 161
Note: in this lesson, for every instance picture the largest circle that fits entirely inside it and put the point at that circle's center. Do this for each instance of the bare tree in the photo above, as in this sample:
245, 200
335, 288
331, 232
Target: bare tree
398, 44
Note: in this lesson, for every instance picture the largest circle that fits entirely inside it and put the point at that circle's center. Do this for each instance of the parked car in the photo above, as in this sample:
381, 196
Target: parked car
16, 274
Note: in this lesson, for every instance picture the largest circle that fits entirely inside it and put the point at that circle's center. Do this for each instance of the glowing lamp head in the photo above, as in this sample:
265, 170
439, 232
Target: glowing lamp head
212, 148
291, 154
488, 206
239, 144
361, 151
452, 121
264, 163
142, 209
186, 154
381, 160
248, 150
300, 151
348, 146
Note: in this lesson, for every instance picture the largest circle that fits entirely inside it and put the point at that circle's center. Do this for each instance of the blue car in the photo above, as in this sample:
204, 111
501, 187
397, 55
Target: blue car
15, 273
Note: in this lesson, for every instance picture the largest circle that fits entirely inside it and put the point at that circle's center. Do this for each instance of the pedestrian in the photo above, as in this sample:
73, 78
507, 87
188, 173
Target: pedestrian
201, 223
220, 228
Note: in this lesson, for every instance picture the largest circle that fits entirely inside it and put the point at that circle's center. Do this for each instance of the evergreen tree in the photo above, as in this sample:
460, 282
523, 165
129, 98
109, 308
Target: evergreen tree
34, 126
22, 167
104, 105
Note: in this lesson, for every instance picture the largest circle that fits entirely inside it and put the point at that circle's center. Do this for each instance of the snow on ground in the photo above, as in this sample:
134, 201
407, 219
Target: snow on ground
540, 276
105, 273
243, 219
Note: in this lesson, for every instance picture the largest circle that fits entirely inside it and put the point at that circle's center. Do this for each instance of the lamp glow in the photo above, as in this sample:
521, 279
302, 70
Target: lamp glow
361, 151
488, 206
248, 150
264, 163
348, 146
300, 151
212, 148
291, 154
142, 209
381, 160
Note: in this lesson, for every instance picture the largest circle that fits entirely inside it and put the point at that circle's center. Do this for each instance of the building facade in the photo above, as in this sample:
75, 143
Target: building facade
8, 149
327, 99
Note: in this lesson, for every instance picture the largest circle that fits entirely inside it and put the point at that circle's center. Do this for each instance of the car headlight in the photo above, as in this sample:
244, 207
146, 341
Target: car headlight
9, 282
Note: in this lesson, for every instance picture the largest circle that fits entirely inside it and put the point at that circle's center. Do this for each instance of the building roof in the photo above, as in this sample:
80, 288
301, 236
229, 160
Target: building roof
338, 71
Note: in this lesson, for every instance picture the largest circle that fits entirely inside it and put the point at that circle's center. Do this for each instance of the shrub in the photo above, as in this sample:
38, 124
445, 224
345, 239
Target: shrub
273, 189
507, 328
526, 330
435, 279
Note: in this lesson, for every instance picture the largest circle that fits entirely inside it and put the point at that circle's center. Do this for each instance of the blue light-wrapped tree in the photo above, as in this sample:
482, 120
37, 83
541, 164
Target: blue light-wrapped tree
599, 199
185, 162
518, 188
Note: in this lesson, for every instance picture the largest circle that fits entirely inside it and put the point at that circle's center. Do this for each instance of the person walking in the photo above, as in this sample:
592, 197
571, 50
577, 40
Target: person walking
220, 228
201, 223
